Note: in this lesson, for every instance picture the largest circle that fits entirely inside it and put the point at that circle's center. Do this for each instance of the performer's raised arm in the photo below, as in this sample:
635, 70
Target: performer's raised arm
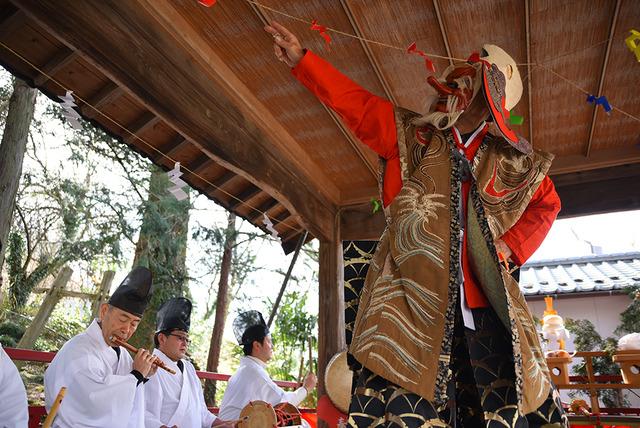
370, 117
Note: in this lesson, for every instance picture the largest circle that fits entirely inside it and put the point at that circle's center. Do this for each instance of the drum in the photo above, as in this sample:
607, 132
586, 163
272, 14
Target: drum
338, 378
287, 415
258, 414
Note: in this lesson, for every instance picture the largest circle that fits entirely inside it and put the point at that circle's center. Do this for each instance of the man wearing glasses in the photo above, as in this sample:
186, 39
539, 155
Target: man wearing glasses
176, 400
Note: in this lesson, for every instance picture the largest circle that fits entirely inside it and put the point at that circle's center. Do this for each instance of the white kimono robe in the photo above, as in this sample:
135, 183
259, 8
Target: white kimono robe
13, 397
252, 382
101, 391
176, 399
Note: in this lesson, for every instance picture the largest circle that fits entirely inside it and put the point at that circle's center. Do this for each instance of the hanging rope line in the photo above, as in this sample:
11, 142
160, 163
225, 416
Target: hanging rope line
541, 64
145, 142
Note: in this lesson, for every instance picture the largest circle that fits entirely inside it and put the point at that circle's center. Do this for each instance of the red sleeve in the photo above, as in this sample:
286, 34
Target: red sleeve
370, 117
527, 234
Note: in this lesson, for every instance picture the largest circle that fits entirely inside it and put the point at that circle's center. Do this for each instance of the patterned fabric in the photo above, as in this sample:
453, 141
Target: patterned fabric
481, 392
356, 256
506, 180
405, 320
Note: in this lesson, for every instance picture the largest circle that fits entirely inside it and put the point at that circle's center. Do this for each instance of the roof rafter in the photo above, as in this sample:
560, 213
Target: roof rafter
605, 62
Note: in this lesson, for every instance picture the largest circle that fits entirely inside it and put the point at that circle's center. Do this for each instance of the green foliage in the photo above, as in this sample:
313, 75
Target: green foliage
291, 333
8, 341
630, 317
62, 326
162, 247
12, 330
21, 283
586, 338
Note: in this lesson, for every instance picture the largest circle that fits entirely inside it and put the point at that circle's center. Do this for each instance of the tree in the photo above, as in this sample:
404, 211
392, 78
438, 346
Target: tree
62, 219
229, 257
162, 247
222, 303
586, 338
12, 148
292, 334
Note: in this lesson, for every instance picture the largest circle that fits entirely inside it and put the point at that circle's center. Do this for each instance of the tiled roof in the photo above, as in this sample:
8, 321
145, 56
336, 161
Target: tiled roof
581, 274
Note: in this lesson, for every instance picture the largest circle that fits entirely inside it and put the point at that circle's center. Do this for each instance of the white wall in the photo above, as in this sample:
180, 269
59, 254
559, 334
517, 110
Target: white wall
602, 311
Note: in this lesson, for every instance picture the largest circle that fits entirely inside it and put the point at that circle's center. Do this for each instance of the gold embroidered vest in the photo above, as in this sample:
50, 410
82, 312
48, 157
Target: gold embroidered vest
404, 325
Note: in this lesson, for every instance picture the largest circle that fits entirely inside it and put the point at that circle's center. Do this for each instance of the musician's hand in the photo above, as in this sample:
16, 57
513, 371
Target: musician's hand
310, 382
154, 369
143, 362
224, 424
286, 46
502, 247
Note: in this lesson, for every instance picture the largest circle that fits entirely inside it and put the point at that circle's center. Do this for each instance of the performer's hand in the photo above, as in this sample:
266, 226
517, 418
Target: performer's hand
310, 382
503, 248
286, 46
154, 369
143, 361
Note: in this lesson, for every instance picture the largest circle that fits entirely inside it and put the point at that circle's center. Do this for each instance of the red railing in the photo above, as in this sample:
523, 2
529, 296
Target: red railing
37, 412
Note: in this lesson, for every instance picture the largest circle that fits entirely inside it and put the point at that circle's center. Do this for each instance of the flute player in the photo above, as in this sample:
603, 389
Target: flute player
105, 386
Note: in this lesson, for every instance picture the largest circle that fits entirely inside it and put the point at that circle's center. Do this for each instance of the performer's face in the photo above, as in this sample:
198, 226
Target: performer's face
264, 350
174, 345
116, 322
477, 112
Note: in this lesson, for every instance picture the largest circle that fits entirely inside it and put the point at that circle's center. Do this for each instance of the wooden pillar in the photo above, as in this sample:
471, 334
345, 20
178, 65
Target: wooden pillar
103, 293
50, 300
331, 313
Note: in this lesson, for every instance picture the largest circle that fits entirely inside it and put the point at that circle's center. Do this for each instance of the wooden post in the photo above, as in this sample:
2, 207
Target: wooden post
331, 336
103, 293
50, 300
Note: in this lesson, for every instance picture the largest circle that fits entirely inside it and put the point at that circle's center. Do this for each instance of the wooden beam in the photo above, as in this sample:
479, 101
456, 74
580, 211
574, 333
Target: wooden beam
598, 159
200, 165
360, 195
331, 334
12, 23
167, 15
367, 50
605, 62
108, 93
52, 298
527, 19
61, 59
358, 222
443, 31
199, 80
597, 197
597, 175
289, 234
221, 181
103, 292
170, 150
263, 208
367, 156
246, 195
146, 121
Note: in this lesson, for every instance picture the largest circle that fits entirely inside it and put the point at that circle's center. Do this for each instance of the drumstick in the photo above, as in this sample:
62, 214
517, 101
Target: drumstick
158, 362
310, 355
54, 408
301, 366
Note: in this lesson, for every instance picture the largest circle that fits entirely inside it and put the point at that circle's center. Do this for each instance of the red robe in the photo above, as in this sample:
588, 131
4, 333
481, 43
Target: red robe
372, 119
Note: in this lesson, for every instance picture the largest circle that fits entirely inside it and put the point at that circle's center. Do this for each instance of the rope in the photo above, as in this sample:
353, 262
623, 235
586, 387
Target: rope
134, 135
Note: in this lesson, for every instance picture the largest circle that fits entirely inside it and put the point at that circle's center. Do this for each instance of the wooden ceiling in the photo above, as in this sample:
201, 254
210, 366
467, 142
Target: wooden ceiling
200, 86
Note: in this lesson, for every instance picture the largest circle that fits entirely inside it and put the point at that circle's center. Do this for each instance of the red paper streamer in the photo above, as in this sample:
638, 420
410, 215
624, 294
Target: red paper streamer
413, 49
207, 3
322, 30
